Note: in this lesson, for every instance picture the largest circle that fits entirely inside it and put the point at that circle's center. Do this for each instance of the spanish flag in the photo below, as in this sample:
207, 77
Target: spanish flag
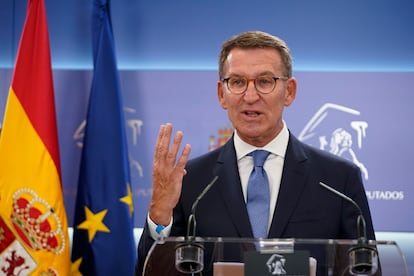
33, 224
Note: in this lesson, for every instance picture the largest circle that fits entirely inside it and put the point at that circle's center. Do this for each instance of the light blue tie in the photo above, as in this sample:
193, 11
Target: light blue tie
258, 198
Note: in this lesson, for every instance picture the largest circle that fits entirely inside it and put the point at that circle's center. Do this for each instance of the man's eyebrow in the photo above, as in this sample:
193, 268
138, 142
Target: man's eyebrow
265, 73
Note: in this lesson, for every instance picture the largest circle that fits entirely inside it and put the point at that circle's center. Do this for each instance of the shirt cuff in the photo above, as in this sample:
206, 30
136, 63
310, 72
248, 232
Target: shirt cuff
158, 231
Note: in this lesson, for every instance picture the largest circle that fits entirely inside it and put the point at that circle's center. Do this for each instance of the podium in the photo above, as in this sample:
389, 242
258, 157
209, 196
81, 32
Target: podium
255, 257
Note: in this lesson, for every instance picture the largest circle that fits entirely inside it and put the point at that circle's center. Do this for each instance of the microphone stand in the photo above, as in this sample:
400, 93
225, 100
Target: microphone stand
363, 258
189, 255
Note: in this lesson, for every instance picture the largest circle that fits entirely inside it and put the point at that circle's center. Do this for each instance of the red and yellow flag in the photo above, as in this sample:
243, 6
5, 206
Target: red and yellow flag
33, 224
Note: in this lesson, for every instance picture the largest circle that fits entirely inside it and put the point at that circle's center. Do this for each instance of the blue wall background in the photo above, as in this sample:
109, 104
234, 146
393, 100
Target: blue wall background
359, 54
369, 35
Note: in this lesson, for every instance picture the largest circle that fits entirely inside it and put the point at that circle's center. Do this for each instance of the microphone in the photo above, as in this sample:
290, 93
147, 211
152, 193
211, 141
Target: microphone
189, 256
363, 258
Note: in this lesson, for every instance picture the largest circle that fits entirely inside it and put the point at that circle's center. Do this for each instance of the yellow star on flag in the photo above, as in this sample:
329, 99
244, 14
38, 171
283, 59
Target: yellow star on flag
128, 200
74, 269
93, 223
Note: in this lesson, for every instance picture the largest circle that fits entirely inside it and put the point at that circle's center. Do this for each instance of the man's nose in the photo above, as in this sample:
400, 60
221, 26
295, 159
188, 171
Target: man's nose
251, 89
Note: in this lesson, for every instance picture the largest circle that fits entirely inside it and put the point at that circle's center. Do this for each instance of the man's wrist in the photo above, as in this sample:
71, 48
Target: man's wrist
157, 229
160, 217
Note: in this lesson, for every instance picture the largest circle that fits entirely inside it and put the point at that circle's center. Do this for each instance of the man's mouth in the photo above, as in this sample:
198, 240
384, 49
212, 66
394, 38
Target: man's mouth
251, 113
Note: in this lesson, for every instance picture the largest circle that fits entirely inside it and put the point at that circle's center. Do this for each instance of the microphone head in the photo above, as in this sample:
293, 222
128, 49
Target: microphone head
363, 259
189, 257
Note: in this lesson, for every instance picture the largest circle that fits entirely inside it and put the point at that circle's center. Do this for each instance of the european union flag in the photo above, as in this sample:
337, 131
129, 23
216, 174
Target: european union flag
103, 241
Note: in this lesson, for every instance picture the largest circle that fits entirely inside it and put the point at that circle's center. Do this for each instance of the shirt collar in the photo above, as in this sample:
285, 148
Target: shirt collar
277, 146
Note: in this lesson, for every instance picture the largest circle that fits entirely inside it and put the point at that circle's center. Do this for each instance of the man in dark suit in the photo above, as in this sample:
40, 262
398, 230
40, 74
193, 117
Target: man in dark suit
255, 86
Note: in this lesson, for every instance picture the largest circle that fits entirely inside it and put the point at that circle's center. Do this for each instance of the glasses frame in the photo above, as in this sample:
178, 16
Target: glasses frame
226, 81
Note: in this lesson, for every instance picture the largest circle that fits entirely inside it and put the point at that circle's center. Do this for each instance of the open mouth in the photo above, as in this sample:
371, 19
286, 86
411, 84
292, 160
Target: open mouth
251, 113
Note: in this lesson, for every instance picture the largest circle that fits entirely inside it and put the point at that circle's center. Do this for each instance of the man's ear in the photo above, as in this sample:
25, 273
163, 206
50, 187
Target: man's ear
220, 95
290, 91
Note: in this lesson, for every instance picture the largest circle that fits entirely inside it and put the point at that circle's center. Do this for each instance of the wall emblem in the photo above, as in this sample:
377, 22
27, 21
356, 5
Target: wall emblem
339, 130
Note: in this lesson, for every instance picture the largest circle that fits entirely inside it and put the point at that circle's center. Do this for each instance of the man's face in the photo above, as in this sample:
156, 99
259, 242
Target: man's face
256, 117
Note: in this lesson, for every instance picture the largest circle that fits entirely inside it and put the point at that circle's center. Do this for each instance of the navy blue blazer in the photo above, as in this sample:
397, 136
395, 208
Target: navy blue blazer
304, 209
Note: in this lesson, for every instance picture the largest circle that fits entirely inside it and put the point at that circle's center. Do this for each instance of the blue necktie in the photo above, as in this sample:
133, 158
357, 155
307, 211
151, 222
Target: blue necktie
258, 198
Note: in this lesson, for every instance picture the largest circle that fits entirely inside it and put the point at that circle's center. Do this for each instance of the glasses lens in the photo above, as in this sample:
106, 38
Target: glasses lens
237, 85
265, 84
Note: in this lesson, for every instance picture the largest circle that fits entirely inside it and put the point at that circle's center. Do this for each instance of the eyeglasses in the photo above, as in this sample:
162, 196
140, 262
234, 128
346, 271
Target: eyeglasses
263, 84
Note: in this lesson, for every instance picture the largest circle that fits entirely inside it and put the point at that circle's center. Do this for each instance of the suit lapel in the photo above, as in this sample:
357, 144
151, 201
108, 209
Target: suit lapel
231, 191
291, 186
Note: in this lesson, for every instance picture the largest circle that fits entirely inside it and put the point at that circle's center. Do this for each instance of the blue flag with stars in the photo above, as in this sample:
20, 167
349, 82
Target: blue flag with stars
103, 241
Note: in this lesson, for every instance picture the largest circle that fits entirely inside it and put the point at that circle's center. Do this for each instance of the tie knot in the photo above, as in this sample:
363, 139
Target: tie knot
259, 157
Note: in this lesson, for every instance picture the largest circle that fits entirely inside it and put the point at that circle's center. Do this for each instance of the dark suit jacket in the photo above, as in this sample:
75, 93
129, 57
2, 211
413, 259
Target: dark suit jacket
304, 209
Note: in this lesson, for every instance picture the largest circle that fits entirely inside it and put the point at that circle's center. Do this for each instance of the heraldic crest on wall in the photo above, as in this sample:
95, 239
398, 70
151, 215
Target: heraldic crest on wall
224, 134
